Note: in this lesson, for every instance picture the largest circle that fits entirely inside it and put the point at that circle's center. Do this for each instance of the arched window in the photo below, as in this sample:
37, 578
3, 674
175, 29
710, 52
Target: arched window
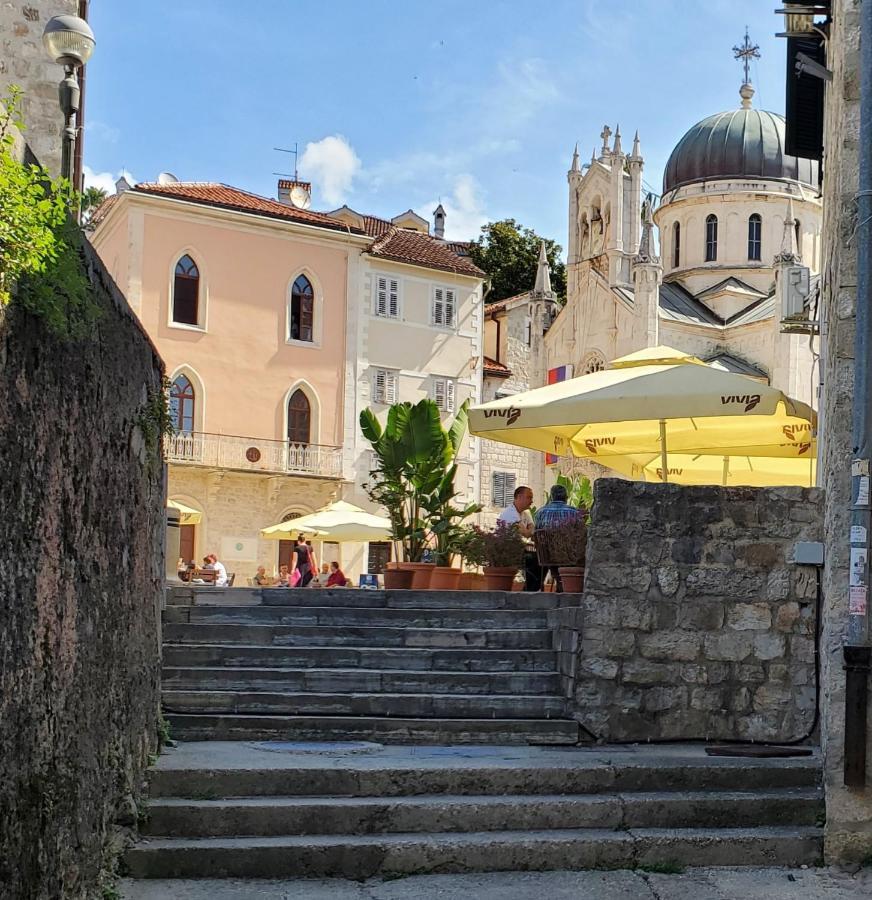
302, 310
676, 245
182, 405
797, 233
755, 233
299, 418
711, 238
186, 292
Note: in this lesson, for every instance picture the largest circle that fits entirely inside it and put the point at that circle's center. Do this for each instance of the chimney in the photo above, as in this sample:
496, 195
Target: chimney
439, 223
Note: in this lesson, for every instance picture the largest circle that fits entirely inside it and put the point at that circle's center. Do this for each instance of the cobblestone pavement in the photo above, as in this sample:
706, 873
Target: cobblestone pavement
694, 884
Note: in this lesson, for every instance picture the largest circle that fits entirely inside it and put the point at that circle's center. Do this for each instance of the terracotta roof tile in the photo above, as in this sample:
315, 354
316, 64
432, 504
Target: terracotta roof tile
375, 226
406, 246
102, 210
502, 304
492, 367
226, 197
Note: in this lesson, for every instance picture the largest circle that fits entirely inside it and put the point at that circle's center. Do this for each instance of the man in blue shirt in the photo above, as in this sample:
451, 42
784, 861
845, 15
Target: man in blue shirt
554, 513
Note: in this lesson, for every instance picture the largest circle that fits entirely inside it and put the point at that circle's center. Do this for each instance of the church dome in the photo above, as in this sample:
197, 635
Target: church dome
739, 143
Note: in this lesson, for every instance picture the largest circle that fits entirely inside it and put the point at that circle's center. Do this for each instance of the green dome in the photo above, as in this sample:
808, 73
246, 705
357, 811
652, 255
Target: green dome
740, 143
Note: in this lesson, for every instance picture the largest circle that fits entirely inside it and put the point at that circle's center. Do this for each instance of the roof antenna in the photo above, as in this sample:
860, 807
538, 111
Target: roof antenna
296, 157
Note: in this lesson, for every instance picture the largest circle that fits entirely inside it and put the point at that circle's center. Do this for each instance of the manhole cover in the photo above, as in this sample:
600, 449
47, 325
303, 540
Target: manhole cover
317, 746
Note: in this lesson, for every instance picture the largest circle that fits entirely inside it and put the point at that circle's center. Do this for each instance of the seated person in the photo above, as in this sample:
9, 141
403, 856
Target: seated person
554, 513
282, 580
218, 569
518, 514
336, 579
262, 579
320, 580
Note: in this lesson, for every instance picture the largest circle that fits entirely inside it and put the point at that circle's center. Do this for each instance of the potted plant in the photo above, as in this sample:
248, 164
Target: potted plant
413, 479
565, 546
503, 550
470, 548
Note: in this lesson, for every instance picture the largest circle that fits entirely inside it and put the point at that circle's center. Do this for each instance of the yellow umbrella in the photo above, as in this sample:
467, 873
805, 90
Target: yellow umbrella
187, 516
731, 471
658, 401
339, 521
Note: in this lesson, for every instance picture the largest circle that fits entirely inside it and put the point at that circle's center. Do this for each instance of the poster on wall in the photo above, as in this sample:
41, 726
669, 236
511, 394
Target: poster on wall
556, 375
244, 549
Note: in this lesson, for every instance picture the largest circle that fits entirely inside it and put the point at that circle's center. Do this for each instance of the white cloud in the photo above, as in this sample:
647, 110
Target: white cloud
464, 210
105, 180
332, 164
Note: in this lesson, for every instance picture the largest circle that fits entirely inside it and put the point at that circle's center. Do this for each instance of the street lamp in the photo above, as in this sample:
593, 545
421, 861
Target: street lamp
69, 42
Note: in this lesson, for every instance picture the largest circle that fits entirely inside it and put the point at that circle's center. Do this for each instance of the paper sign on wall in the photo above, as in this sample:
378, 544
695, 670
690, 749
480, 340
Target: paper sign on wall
858, 534
857, 601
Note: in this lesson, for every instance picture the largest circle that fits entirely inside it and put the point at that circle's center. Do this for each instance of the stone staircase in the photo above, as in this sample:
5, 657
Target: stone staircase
466, 762
240, 810
410, 667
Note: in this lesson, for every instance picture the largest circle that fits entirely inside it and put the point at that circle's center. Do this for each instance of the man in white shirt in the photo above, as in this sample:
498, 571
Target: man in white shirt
518, 513
220, 571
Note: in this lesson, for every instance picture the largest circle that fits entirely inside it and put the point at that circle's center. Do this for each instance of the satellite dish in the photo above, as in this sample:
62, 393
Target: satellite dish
300, 197
167, 178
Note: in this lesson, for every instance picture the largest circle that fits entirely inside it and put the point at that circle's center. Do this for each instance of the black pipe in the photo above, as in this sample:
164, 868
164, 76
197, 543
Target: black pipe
857, 661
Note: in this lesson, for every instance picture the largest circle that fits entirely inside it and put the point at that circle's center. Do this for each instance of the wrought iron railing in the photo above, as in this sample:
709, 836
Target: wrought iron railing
248, 454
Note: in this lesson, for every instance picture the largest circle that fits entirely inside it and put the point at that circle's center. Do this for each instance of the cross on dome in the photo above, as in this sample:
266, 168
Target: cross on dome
746, 51
605, 134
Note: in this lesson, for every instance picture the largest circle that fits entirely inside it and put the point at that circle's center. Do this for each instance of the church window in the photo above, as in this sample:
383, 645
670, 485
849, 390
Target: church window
593, 362
755, 230
797, 233
182, 405
186, 292
676, 245
302, 310
711, 238
528, 331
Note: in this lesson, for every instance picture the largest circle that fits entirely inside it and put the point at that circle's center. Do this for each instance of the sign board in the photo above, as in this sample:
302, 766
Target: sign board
238, 548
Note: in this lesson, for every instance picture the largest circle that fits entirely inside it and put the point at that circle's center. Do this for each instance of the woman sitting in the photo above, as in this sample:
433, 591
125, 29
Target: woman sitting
336, 579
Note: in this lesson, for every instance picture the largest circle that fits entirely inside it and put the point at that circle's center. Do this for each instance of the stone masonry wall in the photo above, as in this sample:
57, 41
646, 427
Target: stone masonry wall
848, 835
23, 61
81, 573
694, 622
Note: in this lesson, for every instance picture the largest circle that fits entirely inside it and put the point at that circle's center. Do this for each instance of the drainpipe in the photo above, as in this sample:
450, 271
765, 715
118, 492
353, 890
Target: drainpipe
79, 151
857, 649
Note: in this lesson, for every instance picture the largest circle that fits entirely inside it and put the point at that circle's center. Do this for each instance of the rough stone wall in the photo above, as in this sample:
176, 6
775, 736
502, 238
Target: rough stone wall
849, 811
694, 622
81, 572
23, 61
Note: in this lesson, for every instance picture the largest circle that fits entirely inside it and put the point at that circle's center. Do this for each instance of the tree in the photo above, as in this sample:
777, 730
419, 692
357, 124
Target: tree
509, 253
92, 197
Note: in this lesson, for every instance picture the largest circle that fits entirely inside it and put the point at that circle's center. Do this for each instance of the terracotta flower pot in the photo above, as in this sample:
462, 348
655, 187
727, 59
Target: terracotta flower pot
499, 578
421, 574
472, 581
445, 578
396, 578
572, 578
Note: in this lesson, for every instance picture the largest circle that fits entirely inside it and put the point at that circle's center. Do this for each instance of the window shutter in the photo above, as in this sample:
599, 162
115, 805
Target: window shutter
439, 393
390, 387
394, 299
379, 389
449, 308
449, 396
381, 296
503, 488
438, 306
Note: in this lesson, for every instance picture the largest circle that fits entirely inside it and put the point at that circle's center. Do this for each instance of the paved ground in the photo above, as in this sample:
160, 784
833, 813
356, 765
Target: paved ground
695, 884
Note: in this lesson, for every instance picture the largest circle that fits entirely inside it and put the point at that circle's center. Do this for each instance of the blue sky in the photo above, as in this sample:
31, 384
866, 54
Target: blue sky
402, 104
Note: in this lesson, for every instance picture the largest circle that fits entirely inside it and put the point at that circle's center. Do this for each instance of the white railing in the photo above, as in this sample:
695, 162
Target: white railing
247, 454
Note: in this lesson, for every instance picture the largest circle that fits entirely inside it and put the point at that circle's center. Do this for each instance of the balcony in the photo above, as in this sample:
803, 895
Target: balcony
248, 454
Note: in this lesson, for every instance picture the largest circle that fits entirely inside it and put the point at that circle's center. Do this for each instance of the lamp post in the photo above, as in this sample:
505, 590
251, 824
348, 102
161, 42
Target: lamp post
69, 41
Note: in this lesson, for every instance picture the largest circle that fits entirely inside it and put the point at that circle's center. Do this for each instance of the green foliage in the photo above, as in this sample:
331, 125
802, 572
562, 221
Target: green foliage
163, 731
413, 477
33, 207
509, 253
91, 198
154, 420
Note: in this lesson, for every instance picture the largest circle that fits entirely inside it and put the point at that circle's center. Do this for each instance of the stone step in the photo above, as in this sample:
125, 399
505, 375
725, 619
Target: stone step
387, 730
222, 766
426, 706
342, 616
357, 680
185, 596
253, 816
327, 636
415, 659
364, 856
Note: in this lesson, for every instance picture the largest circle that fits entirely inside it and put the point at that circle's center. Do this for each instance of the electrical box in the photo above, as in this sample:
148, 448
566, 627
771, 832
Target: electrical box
795, 286
808, 553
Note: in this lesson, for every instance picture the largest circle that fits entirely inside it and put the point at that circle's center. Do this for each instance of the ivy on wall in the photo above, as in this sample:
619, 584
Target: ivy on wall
40, 263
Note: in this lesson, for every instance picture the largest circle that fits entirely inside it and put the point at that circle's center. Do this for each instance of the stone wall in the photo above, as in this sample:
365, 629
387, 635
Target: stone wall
23, 61
81, 540
849, 811
695, 623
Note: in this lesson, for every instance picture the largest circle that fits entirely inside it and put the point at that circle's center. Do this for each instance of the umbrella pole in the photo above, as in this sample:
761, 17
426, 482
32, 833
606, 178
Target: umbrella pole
664, 456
